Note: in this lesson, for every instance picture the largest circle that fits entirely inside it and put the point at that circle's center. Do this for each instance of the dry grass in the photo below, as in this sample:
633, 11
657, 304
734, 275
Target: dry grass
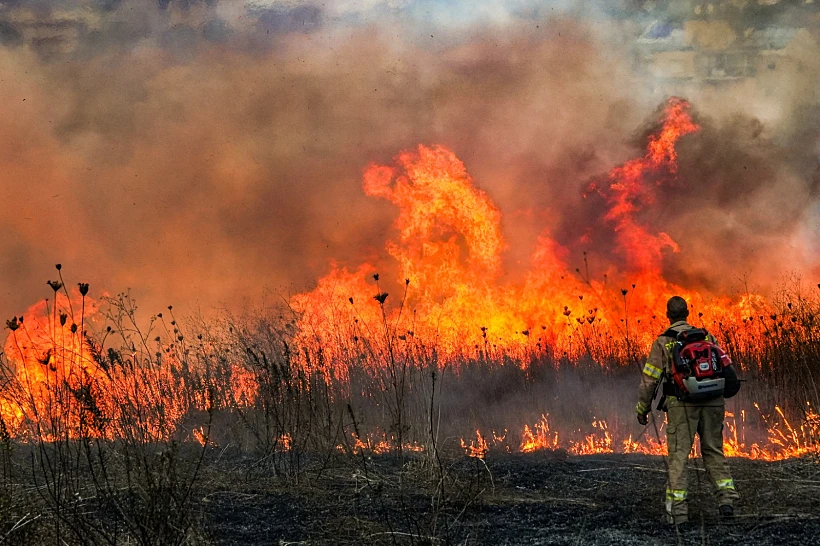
114, 439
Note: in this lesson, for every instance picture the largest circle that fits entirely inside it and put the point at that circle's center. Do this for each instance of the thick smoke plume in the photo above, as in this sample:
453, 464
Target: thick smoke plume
207, 152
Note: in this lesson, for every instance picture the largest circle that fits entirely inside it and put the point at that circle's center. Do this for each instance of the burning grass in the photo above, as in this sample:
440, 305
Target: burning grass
117, 421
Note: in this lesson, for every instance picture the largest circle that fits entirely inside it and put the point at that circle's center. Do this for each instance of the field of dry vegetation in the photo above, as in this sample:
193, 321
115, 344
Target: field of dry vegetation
240, 430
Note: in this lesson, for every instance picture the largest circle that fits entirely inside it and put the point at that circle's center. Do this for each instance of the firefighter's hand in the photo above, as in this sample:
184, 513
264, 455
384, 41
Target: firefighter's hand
643, 413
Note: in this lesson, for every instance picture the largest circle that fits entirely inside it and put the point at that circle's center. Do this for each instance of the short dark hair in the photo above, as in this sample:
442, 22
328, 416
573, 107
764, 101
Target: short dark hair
676, 308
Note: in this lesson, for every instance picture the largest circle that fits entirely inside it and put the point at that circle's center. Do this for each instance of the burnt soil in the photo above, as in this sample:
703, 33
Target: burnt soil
533, 499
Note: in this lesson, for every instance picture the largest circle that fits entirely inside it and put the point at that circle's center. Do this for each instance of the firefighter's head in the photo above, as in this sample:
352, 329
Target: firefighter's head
676, 309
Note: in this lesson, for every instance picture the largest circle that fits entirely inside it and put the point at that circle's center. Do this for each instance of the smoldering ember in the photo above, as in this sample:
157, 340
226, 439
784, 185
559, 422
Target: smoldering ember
393, 271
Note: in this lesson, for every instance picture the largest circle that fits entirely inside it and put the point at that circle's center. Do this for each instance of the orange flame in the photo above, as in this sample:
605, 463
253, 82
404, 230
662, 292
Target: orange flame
782, 440
55, 369
448, 247
60, 385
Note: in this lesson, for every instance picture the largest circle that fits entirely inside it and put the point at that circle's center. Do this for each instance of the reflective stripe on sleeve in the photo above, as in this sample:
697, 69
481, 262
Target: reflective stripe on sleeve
726, 484
641, 408
676, 494
652, 371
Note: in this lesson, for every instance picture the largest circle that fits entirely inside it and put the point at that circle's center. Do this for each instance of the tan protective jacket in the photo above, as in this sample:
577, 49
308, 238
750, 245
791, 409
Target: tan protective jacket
658, 364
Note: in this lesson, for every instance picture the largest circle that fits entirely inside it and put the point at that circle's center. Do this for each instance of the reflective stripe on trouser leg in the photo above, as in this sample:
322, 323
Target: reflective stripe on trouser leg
711, 443
676, 511
725, 484
676, 501
726, 492
680, 435
676, 495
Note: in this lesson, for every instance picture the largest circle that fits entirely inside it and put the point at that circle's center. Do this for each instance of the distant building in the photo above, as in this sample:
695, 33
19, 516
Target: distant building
51, 32
713, 52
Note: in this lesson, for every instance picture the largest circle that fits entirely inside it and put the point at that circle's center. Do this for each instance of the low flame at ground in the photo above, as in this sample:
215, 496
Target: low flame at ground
783, 441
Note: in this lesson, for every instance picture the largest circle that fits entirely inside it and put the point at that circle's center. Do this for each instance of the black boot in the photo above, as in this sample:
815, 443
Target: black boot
726, 511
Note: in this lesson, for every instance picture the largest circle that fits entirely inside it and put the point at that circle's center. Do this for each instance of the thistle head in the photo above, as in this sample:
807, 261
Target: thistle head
12, 324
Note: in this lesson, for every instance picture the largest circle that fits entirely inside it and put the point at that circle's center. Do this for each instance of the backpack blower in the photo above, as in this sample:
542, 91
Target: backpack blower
697, 367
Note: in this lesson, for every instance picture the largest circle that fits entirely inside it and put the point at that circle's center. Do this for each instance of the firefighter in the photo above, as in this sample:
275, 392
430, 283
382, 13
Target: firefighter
684, 419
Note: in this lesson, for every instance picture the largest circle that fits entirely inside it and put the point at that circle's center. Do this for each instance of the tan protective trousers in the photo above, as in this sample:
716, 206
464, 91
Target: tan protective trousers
683, 421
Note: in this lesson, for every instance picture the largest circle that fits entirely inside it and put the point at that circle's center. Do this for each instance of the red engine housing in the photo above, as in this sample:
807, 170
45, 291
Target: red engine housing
697, 366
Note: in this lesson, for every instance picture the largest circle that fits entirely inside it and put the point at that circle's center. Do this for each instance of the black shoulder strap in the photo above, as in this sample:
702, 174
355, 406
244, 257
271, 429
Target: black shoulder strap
670, 333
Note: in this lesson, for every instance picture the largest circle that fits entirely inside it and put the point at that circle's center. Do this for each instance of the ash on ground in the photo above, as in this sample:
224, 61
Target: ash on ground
534, 499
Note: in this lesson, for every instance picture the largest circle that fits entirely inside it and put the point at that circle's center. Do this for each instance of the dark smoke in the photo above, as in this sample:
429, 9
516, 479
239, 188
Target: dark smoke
734, 205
